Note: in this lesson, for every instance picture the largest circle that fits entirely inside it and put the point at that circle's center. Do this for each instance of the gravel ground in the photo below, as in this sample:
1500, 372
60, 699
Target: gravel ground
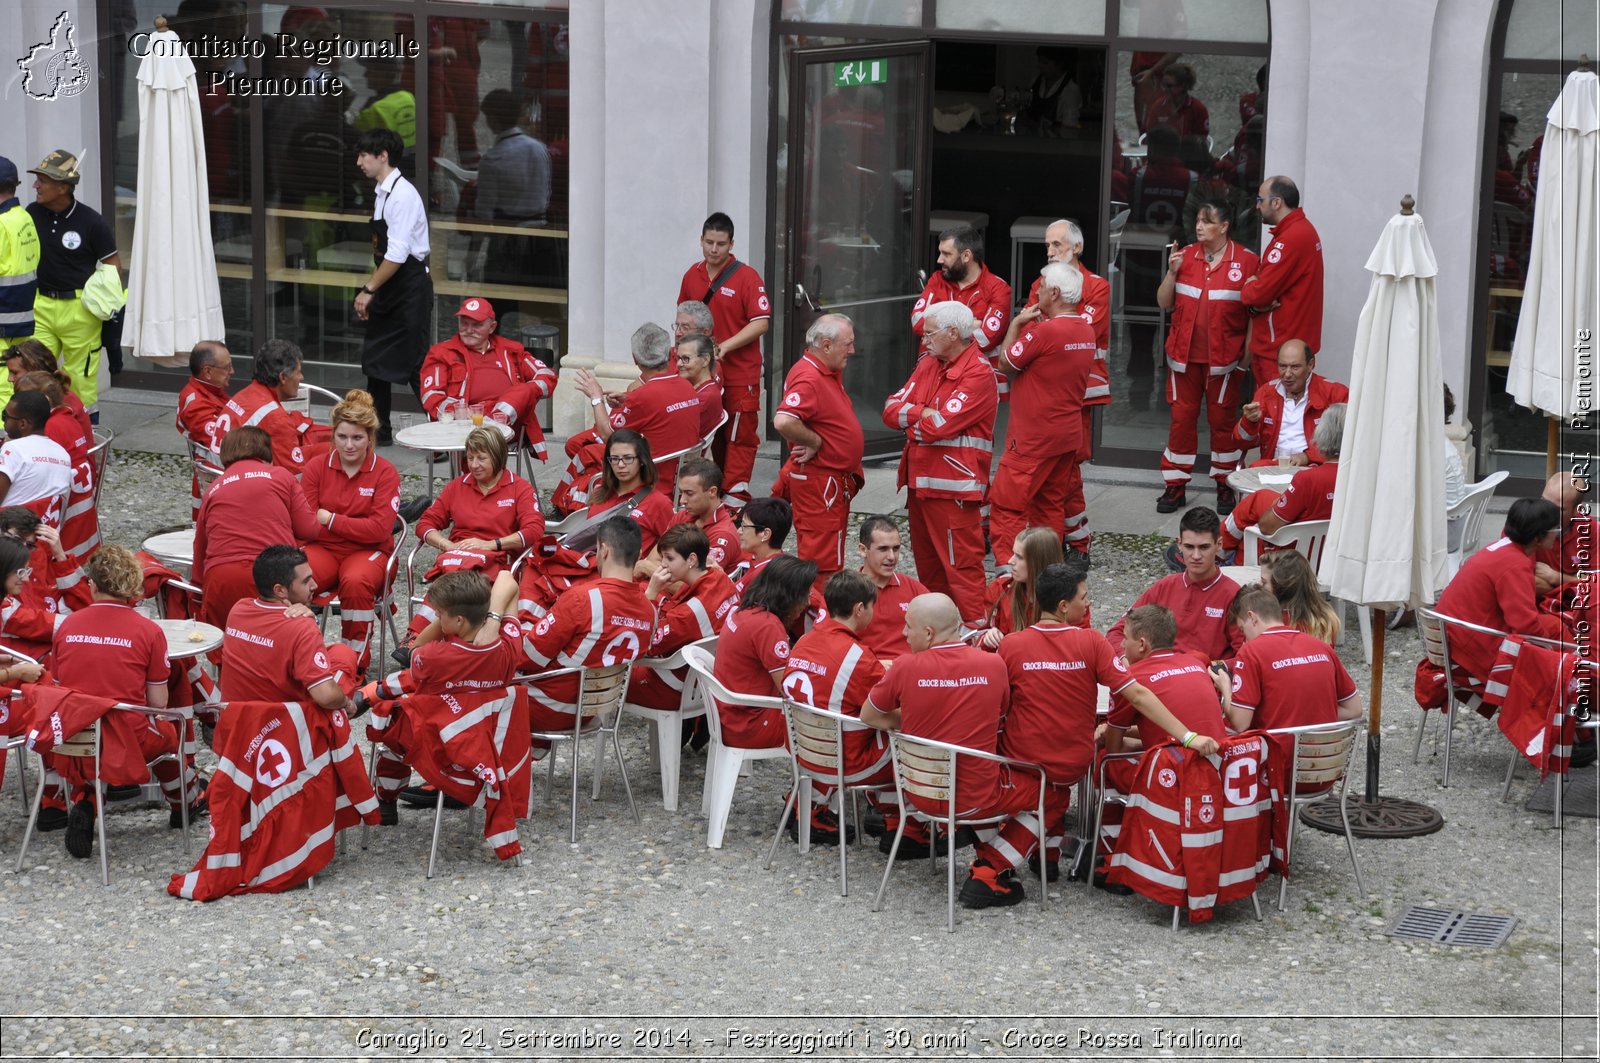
639, 941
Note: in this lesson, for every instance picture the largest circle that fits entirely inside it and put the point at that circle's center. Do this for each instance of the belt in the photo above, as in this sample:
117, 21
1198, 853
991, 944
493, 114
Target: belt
51, 293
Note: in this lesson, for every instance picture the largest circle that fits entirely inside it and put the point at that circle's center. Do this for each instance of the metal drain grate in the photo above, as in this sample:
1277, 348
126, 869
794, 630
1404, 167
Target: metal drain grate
1446, 926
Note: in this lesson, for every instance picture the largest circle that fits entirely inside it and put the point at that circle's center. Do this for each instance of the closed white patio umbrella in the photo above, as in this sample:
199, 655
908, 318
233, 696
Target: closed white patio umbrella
1558, 300
173, 296
1386, 539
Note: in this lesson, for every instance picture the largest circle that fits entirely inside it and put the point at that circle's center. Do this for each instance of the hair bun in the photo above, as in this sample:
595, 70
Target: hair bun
358, 397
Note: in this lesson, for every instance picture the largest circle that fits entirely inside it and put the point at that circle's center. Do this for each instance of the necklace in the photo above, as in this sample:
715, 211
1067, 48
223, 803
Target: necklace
1212, 256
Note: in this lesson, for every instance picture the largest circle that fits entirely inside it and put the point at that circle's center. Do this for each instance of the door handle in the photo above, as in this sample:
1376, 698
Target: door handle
802, 299
922, 279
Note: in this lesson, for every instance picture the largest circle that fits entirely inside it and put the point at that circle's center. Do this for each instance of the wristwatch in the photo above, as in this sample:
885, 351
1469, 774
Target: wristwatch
596, 402
369, 291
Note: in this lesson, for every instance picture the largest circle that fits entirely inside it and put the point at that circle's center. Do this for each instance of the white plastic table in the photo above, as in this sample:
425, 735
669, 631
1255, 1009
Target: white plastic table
442, 437
174, 548
180, 644
1254, 478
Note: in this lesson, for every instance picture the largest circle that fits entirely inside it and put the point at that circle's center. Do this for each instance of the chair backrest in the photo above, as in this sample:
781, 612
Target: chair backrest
711, 436
301, 403
700, 663
926, 770
81, 744
1322, 751
1470, 508
1306, 537
100, 457
817, 735
1431, 626
602, 690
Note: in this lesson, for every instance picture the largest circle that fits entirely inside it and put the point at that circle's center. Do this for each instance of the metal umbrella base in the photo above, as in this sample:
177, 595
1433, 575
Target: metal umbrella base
1386, 817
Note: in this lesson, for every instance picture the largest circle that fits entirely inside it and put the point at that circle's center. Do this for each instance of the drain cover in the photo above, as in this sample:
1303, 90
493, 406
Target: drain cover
1446, 926
1579, 799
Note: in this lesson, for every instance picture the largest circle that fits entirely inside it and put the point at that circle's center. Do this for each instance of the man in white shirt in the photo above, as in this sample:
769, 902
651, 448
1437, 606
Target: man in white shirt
397, 299
35, 470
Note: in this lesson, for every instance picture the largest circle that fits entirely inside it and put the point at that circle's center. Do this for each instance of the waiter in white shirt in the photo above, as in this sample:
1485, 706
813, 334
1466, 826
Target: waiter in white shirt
35, 470
397, 299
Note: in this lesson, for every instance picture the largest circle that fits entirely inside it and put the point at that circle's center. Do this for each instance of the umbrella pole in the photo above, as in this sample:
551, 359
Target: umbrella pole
1375, 711
1373, 816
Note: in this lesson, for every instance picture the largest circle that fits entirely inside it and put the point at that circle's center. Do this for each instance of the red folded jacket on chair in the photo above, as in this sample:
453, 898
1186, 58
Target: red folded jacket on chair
1536, 689
467, 744
288, 778
54, 714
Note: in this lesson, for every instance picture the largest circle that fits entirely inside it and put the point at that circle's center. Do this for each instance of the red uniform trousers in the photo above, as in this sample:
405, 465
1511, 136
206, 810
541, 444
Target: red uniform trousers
1074, 510
734, 450
821, 502
355, 574
1016, 839
222, 588
1018, 793
1246, 514
1264, 370
1221, 393
390, 768
947, 541
1029, 491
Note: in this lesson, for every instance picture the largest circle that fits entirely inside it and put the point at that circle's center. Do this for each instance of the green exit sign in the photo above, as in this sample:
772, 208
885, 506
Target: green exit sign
861, 72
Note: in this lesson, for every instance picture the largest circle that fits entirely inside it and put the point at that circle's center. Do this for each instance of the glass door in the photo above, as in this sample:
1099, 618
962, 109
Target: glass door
857, 210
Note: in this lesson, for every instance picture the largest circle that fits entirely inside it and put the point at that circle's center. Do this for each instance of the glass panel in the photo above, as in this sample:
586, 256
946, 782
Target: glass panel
865, 12
856, 252
1032, 16
1552, 29
497, 120
1513, 437
1202, 20
1172, 155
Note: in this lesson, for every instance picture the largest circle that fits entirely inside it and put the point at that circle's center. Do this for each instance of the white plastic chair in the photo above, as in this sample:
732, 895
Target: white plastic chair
18, 742
1321, 755
1469, 511
711, 436
724, 763
1307, 538
926, 768
666, 736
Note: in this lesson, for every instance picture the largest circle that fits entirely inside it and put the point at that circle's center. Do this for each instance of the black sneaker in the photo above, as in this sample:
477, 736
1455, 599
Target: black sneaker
1052, 868
427, 797
80, 830
388, 813
1174, 498
1116, 889
385, 436
824, 828
912, 848
1583, 754
411, 509
872, 823
1173, 558
51, 819
124, 793
201, 807
987, 888
1227, 498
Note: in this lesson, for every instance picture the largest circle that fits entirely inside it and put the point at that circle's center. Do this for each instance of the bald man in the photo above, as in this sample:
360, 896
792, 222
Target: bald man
1574, 554
947, 691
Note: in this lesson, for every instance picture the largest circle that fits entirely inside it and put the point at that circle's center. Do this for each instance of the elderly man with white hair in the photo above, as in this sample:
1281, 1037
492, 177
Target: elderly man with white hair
662, 407
818, 420
1063, 242
1048, 354
947, 412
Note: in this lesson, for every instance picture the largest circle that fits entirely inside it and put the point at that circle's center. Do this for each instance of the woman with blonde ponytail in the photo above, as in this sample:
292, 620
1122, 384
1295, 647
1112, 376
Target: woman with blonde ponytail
356, 495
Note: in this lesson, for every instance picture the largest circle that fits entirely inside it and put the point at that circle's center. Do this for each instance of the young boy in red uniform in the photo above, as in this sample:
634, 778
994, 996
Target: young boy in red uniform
692, 602
598, 623
700, 502
1283, 677
879, 546
1199, 596
1055, 668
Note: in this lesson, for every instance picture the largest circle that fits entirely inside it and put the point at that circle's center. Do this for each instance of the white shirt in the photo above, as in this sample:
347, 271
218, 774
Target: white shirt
399, 204
38, 468
1292, 430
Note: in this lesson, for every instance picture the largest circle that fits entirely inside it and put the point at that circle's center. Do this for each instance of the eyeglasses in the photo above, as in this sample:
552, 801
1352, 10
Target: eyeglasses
623, 459
747, 526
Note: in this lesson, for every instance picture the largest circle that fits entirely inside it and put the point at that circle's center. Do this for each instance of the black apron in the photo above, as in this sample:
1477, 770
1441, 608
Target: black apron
397, 317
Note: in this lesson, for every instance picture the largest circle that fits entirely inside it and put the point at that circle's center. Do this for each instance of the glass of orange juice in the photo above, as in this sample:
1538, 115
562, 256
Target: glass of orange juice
477, 414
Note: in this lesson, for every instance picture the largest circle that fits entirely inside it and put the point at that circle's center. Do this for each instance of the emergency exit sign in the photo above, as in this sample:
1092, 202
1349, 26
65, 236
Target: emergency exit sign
861, 72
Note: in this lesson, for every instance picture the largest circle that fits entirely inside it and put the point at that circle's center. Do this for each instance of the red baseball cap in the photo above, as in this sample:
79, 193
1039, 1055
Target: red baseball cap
476, 308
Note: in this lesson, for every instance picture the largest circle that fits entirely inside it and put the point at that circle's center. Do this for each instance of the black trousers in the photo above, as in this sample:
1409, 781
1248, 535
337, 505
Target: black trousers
383, 398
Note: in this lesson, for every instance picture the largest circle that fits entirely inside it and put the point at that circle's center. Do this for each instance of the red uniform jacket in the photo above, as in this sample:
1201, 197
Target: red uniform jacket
57, 713
988, 297
948, 453
469, 744
510, 507
363, 506
447, 381
80, 525
250, 507
1170, 845
1321, 393
831, 668
203, 420
296, 438
1537, 690
1290, 275
740, 299
1095, 307
1211, 294
598, 624
1493, 589
288, 778
692, 614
